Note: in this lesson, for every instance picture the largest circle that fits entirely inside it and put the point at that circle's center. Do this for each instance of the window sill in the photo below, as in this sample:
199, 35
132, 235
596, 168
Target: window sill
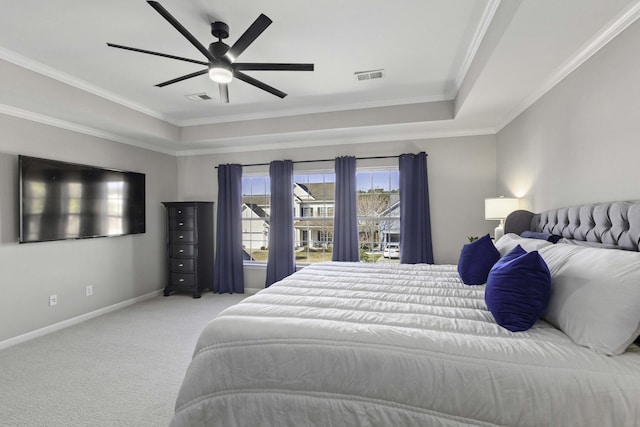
255, 265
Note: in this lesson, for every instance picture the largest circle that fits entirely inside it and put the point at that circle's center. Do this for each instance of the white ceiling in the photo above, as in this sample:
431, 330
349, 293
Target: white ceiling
491, 59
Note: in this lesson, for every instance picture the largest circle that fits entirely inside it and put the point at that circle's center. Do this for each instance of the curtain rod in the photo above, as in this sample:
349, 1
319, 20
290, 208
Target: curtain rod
322, 160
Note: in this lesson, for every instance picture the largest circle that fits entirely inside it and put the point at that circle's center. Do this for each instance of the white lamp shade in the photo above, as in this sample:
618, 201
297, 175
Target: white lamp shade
500, 207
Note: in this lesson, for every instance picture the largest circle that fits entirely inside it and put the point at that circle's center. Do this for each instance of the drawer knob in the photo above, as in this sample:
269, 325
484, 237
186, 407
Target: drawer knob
180, 237
179, 211
181, 250
182, 223
181, 280
180, 265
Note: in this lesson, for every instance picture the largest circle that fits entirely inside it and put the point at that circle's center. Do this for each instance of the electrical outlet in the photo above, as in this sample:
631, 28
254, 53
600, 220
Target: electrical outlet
53, 300
89, 290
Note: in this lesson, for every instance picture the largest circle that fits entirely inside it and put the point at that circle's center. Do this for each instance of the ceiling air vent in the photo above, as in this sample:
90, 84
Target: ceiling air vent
369, 75
199, 97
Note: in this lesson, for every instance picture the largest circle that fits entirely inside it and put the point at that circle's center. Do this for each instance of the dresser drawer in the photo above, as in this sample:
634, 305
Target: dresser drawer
180, 236
177, 212
181, 280
181, 223
182, 250
182, 265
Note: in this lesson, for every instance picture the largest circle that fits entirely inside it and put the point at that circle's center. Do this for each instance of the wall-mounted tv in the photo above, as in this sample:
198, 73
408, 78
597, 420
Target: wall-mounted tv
60, 200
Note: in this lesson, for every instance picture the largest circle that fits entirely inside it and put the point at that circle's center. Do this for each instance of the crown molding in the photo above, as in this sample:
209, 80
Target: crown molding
63, 124
481, 30
65, 78
304, 139
323, 138
316, 109
597, 42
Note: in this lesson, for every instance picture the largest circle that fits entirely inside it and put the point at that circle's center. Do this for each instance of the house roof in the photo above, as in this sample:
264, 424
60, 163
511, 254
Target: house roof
261, 200
320, 191
257, 210
393, 210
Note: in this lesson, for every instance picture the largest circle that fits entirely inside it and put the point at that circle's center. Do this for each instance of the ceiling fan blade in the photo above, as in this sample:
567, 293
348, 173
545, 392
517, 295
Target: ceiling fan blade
178, 26
179, 79
271, 67
224, 92
248, 37
135, 49
257, 83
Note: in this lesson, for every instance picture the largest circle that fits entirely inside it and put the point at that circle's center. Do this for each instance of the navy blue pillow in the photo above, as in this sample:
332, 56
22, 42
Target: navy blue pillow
476, 260
513, 254
553, 238
518, 290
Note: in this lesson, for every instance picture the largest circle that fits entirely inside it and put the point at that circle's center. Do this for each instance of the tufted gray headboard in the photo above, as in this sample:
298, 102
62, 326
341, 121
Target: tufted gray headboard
615, 224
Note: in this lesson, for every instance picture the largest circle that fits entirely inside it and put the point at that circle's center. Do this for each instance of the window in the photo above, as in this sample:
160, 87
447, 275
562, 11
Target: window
256, 206
325, 236
378, 195
378, 205
314, 195
325, 211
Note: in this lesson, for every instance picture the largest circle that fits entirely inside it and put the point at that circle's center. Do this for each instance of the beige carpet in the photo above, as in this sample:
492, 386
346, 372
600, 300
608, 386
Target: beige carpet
120, 369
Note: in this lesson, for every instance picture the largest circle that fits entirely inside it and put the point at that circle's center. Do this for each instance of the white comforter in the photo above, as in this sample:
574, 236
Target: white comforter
355, 344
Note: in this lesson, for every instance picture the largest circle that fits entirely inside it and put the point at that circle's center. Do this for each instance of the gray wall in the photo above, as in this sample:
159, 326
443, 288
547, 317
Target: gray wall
461, 172
118, 268
580, 143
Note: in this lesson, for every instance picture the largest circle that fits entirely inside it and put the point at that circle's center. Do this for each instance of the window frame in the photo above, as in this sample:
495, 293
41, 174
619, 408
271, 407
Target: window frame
265, 239
313, 244
298, 213
362, 218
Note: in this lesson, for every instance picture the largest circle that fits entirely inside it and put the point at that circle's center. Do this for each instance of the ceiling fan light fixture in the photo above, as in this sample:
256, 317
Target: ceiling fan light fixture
221, 65
220, 73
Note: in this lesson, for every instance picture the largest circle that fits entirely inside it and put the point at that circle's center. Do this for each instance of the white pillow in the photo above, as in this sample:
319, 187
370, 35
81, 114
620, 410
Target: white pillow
509, 241
595, 295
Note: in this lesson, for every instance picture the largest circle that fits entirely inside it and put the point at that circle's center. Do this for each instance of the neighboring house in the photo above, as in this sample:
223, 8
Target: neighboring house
255, 234
314, 206
389, 225
313, 214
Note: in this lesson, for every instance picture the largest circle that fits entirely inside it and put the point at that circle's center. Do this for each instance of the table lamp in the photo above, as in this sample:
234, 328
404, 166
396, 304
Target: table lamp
498, 208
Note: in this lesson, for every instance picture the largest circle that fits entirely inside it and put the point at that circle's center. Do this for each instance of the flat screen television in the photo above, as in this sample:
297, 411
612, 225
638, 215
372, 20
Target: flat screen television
60, 200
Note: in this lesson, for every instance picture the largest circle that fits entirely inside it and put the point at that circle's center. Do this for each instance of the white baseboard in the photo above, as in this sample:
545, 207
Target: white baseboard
75, 320
252, 291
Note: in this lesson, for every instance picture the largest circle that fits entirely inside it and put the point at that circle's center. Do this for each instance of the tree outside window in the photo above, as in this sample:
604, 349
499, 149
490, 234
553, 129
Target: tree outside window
378, 204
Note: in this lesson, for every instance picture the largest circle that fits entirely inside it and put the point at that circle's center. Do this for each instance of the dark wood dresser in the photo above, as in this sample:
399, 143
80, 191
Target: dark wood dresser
189, 247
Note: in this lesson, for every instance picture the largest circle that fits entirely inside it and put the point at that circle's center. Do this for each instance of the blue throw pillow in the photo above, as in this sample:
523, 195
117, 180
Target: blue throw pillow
518, 290
476, 260
553, 238
513, 254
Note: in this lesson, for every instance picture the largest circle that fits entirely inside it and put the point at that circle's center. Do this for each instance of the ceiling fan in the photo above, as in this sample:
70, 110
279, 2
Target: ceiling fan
221, 57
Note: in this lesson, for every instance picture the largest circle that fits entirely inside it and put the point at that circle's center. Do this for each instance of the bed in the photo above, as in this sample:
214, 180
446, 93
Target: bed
358, 344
